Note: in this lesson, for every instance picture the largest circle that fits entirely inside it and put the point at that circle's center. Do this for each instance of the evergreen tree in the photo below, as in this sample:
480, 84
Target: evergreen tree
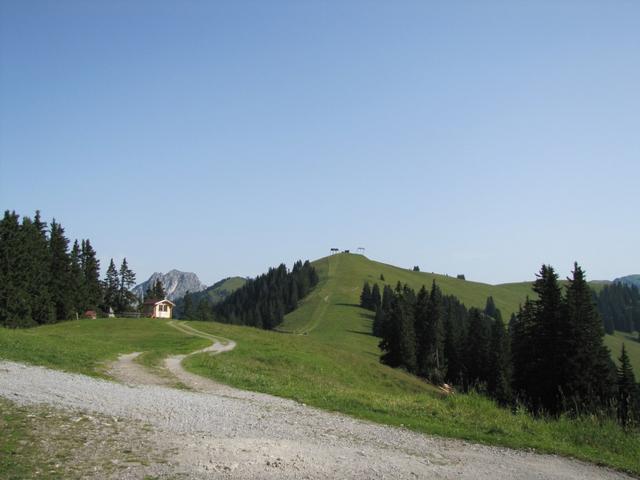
365, 296
490, 309
15, 304
424, 334
155, 291
627, 391
382, 277
126, 281
452, 352
188, 308
61, 276
550, 338
525, 355
398, 338
78, 286
112, 288
477, 348
91, 273
37, 244
589, 373
499, 373
376, 298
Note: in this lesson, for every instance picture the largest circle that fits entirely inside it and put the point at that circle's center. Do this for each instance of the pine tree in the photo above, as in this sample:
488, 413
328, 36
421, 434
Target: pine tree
452, 352
477, 348
550, 338
15, 304
491, 310
499, 373
127, 280
365, 296
382, 277
376, 298
37, 244
112, 288
398, 338
61, 281
188, 308
588, 375
423, 330
627, 391
91, 272
78, 286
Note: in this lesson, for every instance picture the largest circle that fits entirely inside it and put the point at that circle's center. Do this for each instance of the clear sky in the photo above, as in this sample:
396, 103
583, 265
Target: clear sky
482, 138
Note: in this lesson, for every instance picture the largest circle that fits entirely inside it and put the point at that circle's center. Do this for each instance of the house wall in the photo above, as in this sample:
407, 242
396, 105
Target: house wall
158, 313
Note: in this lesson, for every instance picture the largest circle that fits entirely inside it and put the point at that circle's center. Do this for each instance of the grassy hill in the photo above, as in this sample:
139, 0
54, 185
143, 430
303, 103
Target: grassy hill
325, 356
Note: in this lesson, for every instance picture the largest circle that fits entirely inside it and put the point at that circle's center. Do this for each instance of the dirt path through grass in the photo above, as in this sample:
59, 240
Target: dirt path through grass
217, 431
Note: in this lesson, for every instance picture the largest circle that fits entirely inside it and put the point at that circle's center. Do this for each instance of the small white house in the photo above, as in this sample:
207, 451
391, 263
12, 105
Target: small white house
158, 308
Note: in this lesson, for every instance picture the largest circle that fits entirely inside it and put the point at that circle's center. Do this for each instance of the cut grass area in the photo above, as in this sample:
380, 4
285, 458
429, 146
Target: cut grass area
311, 371
83, 346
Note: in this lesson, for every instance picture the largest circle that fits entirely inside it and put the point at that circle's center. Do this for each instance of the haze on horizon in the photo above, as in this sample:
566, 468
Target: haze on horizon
223, 138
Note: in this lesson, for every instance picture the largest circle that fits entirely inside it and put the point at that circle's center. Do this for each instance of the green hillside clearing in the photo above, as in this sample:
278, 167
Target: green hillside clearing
331, 361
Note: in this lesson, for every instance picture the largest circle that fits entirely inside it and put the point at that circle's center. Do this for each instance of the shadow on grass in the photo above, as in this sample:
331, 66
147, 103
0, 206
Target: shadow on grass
360, 332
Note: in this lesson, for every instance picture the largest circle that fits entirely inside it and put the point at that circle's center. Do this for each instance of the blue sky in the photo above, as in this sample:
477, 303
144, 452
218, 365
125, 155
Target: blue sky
222, 138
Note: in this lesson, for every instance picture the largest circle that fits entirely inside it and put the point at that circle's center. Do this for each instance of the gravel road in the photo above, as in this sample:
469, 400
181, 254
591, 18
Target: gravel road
221, 432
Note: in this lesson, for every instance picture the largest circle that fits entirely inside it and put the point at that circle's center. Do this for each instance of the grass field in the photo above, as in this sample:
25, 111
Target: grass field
83, 346
331, 361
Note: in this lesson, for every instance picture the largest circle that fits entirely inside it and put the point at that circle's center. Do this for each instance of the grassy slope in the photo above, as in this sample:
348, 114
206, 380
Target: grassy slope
333, 366
333, 363
83, 346
222, 289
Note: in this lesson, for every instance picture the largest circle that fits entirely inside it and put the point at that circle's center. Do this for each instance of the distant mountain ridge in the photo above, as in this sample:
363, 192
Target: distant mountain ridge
630, 280
174, 282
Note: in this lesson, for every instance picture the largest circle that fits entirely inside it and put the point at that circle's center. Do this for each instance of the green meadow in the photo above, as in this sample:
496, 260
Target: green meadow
325, 356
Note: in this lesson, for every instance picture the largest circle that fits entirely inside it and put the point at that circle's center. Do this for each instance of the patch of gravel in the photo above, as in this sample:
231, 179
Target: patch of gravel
239, 434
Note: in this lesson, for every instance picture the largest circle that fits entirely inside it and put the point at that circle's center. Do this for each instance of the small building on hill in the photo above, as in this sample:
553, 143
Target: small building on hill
90, 314
154, 308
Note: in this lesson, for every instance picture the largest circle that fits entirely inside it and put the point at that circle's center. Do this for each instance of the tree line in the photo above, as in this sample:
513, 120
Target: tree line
550, 358
619, 307
43, 281
263, 301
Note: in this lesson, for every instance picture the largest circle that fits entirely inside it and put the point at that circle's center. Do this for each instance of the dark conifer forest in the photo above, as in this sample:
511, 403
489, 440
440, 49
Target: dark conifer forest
619, 307
264, 301
44, 280
550, 358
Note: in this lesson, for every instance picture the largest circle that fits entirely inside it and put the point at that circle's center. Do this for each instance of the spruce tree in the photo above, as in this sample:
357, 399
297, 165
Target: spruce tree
91, 272
78, 286
112, 288
188, 309
525, 355
589, 373
423, 331
499, 373
365, 296
127, 280
61, 281
37, 244
627, 391
15, 304
376, 298
550, 338
477, 348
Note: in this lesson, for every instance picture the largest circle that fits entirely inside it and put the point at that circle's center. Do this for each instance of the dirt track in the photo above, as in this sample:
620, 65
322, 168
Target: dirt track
217, 431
